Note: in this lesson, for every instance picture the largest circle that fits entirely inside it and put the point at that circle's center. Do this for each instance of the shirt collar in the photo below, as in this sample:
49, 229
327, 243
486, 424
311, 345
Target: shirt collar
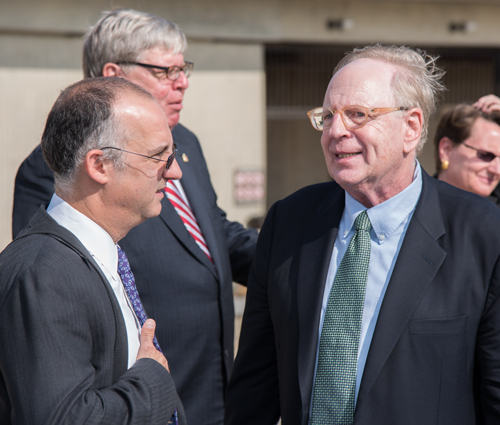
387, 216
92, 236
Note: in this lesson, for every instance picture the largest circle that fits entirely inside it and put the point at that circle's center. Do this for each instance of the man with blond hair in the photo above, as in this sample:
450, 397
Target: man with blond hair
186, 259
373, 299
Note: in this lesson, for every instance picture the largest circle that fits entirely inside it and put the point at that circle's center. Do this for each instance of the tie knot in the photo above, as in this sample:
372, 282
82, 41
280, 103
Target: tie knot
123, 264
362, 222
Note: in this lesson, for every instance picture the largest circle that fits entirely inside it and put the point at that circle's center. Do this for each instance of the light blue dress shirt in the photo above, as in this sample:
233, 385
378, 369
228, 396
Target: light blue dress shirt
390, 221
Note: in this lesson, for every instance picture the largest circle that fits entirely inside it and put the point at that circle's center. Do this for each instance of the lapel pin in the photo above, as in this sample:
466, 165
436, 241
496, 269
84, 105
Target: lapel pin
185, 157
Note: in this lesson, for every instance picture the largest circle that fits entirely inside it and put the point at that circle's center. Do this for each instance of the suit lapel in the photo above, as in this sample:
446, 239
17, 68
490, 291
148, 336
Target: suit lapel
418, 261
43, 223
317, 244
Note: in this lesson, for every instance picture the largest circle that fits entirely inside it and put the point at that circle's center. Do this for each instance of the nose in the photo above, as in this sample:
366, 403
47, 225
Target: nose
174, 172
181, 82
494, 166
338, 128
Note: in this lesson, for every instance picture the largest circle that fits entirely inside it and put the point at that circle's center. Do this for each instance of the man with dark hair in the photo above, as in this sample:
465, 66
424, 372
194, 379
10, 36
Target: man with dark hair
77, 346
186, 259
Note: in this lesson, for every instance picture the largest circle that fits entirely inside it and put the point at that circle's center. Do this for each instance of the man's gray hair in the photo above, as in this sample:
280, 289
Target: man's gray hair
123, 35
417, 83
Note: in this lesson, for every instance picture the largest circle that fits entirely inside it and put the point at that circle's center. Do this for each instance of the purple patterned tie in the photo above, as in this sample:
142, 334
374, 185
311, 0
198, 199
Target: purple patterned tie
128, 281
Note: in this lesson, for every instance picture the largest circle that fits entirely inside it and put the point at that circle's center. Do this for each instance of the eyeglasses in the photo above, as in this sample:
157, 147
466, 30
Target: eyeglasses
353, 117
169, 160
164, 72
482, 155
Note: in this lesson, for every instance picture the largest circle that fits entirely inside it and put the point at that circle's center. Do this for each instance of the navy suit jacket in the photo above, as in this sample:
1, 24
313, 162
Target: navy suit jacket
435, 353
189, 297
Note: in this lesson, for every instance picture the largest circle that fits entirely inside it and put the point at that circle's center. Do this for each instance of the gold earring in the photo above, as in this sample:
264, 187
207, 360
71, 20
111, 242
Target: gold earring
445, 164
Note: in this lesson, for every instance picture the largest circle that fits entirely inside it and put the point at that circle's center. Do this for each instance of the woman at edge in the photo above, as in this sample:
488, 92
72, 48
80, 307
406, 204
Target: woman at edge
467, 146
489, 104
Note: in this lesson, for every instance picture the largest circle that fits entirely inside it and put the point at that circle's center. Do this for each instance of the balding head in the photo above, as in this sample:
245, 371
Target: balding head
82, 119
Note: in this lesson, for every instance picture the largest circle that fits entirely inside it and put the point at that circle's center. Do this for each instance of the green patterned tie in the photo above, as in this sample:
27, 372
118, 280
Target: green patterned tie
335, 384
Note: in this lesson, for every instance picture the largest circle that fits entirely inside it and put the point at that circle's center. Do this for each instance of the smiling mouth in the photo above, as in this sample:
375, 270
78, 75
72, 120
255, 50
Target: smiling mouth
488, 180
347, 155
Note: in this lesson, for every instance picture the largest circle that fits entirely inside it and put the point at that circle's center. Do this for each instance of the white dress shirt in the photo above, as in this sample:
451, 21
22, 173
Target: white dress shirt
103, 250
389, 220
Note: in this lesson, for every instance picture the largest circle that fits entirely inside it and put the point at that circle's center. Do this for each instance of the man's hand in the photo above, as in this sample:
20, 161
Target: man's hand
488, 103
147, 348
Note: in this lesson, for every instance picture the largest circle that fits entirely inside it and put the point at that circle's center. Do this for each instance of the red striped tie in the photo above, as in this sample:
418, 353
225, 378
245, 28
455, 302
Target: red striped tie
186, 214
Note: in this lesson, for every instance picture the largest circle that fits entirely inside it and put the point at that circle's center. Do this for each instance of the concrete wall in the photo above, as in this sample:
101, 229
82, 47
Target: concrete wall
224, 106
40, 45
26, 97
396, 21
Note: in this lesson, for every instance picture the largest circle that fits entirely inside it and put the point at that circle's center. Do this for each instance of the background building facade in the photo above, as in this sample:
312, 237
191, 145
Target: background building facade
259, 66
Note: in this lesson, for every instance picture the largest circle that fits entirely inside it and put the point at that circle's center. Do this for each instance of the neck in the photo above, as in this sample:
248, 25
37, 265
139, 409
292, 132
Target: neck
372, 192
91, 206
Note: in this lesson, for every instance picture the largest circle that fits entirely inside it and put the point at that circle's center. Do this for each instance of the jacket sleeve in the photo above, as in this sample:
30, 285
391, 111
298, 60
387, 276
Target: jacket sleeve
241, 243
58, 335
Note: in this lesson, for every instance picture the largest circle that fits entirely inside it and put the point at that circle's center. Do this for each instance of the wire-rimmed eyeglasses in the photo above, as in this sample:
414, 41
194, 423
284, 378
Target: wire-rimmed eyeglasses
164, 72
353, 117
482, 155
169, 160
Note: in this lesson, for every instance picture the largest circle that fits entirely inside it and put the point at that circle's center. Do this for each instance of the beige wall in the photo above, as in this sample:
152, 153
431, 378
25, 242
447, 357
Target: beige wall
26, 98
396, 21
226, 110
401, 22
41, 43
40, 48
230, 125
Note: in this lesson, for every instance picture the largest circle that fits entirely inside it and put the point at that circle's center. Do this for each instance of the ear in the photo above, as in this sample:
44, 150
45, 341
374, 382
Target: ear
414, 122
97, 169
112, 70
445, 146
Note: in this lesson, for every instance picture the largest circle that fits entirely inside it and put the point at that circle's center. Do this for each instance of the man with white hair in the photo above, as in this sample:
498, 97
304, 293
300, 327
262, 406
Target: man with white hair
76, 344
373, 299
186, 259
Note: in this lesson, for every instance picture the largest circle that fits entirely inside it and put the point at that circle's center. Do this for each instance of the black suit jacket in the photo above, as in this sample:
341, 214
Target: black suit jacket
435, 352
189, 297
34, 186
63, 356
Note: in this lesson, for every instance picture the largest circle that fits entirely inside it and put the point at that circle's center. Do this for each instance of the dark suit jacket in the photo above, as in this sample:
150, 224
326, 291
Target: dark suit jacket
34, 186
189, 297
435, 353
495, 196
63, 356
